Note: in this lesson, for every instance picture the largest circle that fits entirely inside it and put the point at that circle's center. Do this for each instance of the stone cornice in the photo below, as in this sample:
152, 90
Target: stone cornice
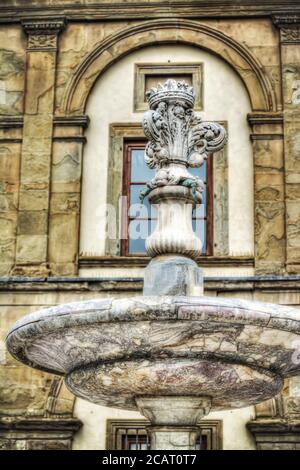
109, 10
264, 118
142, 261
8, 122
47, 26
273, 426
127, 284
70, 121
50, 424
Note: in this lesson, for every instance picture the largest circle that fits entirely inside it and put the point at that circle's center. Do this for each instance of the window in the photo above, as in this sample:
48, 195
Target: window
149, 75
139, 221
132, 435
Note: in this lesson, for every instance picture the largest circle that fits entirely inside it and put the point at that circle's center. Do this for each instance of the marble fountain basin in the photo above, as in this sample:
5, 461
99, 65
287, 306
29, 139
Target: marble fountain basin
113, 351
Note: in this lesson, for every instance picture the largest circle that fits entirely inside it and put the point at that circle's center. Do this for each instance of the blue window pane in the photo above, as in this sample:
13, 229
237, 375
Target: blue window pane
199, 227
201, 172
136, 209
140, 172
136, 246
135, 190
142, 211
152, 225
138, 231
200, 209
139, 211
153, 211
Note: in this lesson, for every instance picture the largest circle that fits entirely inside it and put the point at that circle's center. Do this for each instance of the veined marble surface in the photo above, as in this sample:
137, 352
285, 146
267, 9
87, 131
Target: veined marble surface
112, 351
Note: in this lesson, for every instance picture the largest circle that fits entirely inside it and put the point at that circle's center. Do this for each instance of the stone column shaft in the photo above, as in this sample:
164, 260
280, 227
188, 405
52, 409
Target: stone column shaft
173, 437
32, 235
174, 420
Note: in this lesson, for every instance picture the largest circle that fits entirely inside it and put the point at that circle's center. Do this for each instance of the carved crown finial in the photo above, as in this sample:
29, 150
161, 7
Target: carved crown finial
170, 91
178, 138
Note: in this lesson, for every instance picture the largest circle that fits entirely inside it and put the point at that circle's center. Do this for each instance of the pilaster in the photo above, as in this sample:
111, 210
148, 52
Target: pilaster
289, 26
33, 217
269, 235
65, 191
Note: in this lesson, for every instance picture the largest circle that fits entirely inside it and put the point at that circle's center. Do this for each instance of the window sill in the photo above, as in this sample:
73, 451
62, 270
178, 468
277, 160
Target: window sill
142, 261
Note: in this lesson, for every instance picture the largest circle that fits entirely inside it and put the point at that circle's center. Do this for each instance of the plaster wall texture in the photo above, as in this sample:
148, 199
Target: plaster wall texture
111, 101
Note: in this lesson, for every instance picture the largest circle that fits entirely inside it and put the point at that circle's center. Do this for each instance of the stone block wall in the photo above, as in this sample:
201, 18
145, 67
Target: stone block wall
48, 69
51, 55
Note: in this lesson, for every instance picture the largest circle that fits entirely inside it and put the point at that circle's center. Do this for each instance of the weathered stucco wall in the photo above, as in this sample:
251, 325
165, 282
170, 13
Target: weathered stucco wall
52, 74
12, 78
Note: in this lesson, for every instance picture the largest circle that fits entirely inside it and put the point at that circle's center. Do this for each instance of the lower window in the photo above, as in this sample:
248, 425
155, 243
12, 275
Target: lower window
138, 221
132, 435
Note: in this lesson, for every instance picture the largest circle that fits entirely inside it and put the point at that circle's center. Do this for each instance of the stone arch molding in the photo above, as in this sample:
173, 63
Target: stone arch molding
113, 48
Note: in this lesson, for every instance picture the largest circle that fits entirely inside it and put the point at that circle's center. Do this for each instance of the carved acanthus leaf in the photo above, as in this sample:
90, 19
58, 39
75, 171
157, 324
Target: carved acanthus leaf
178, 138
290, 35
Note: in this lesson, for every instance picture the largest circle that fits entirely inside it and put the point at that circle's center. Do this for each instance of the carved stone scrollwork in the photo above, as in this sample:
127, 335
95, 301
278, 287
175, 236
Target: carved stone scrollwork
286, 19
290, 35
42, 41
289, 28
178, 138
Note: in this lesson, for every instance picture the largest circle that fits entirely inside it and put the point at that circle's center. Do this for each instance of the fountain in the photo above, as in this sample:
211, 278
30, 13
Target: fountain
172, 353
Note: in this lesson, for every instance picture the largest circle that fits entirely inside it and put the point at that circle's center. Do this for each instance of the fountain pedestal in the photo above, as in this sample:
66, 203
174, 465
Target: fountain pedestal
173, 275
171, 353
174, 420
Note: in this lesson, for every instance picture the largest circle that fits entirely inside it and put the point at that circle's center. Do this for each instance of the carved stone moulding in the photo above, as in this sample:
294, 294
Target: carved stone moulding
289, 25
148, 73
177, 135
42, 42
290, 35
275, 434
42, 34
44, 26
38, 433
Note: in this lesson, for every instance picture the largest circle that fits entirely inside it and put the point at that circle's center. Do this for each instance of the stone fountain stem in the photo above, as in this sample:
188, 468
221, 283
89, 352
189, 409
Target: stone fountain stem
173, 420
177, 139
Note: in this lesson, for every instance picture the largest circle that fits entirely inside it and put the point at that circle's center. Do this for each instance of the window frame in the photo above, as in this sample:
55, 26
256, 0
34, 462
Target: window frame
212, 429
166, 70
139, 143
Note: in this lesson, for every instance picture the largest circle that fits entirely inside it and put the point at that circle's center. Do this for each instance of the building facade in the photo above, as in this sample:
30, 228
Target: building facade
73, 77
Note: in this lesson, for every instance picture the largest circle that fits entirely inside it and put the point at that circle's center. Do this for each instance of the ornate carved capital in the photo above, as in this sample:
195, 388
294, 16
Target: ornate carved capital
289, 26
42, 34
178, 138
